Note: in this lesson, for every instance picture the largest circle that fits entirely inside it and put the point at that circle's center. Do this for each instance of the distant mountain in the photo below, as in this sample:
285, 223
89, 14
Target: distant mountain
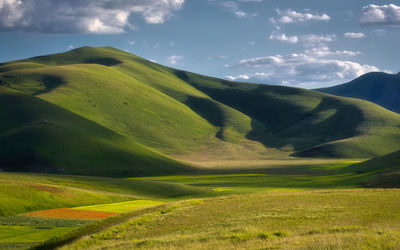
380, 88
103, 111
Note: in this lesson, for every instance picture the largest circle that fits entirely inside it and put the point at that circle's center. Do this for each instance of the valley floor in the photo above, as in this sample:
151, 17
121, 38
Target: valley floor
289, 204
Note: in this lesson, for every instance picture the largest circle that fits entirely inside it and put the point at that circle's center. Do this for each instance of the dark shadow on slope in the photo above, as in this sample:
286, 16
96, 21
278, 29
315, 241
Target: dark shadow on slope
50, 83
287, 124
208, 110
331, 120
32, 84
106, 61
27, 161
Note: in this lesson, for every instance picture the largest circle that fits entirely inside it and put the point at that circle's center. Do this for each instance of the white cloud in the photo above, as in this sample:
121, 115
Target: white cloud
173, 60
283, 38
312, 38
353, 35
306, 39
324, 51
132, 42
291, 16
233, 7
316, 66
239, 77
380, 15
75, 16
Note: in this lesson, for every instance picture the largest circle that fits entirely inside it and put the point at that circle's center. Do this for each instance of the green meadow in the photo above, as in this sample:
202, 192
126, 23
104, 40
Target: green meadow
299, 206
281, 220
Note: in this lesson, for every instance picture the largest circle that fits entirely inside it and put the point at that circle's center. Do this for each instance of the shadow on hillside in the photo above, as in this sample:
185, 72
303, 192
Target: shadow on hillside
106, 61
50, 83
287, 123
208, 110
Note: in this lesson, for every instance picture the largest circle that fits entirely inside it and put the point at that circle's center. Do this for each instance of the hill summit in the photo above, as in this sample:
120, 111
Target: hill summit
378, 87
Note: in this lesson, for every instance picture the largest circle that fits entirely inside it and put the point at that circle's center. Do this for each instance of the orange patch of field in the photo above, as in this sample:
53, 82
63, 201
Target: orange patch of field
67, 213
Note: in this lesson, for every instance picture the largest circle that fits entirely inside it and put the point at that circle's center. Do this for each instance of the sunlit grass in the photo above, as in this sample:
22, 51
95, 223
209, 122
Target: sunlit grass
121, 207
351, 219
29, 234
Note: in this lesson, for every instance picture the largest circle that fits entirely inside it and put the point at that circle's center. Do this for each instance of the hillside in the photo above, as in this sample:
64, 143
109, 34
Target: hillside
39, 136
109, 110
378, 87
386, 169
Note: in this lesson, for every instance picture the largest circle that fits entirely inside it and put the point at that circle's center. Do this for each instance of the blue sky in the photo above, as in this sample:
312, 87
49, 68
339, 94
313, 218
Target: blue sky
306, 44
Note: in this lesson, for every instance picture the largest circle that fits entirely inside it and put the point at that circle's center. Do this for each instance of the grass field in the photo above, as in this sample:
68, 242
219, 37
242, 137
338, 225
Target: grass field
281, 205
23, 192
351, 219
22, 231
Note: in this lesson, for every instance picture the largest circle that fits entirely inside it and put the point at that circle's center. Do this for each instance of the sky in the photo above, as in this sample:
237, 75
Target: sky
300, 43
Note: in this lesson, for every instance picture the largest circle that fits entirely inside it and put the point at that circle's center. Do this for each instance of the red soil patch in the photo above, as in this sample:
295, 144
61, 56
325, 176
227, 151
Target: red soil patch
67, 213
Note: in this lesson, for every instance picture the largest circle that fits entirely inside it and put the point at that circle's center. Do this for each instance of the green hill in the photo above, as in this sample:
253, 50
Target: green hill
378, 87
307, 122
110, 111
39, 136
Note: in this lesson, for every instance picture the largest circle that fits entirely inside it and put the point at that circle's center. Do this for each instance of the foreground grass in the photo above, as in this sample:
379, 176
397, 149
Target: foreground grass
24, 192
283, 205
22, 231
355, 219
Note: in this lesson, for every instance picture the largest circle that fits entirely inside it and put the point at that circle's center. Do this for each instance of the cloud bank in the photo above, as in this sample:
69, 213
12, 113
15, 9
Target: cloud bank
312, 67
380, 15
310, 39
76, 16
291, 16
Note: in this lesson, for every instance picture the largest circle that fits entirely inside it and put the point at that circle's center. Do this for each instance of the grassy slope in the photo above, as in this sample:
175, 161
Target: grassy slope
302, 220
385, 168
38, 136
153, 105
308, 122
154, 110
21, 193
380, 88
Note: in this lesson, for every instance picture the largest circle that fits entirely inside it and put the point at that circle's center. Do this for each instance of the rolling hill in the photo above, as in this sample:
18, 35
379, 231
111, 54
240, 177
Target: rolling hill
378, 87
39, 136
102, 111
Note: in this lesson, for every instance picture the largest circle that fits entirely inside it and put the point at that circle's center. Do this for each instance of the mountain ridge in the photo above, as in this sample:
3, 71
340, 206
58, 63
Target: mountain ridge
378, 87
